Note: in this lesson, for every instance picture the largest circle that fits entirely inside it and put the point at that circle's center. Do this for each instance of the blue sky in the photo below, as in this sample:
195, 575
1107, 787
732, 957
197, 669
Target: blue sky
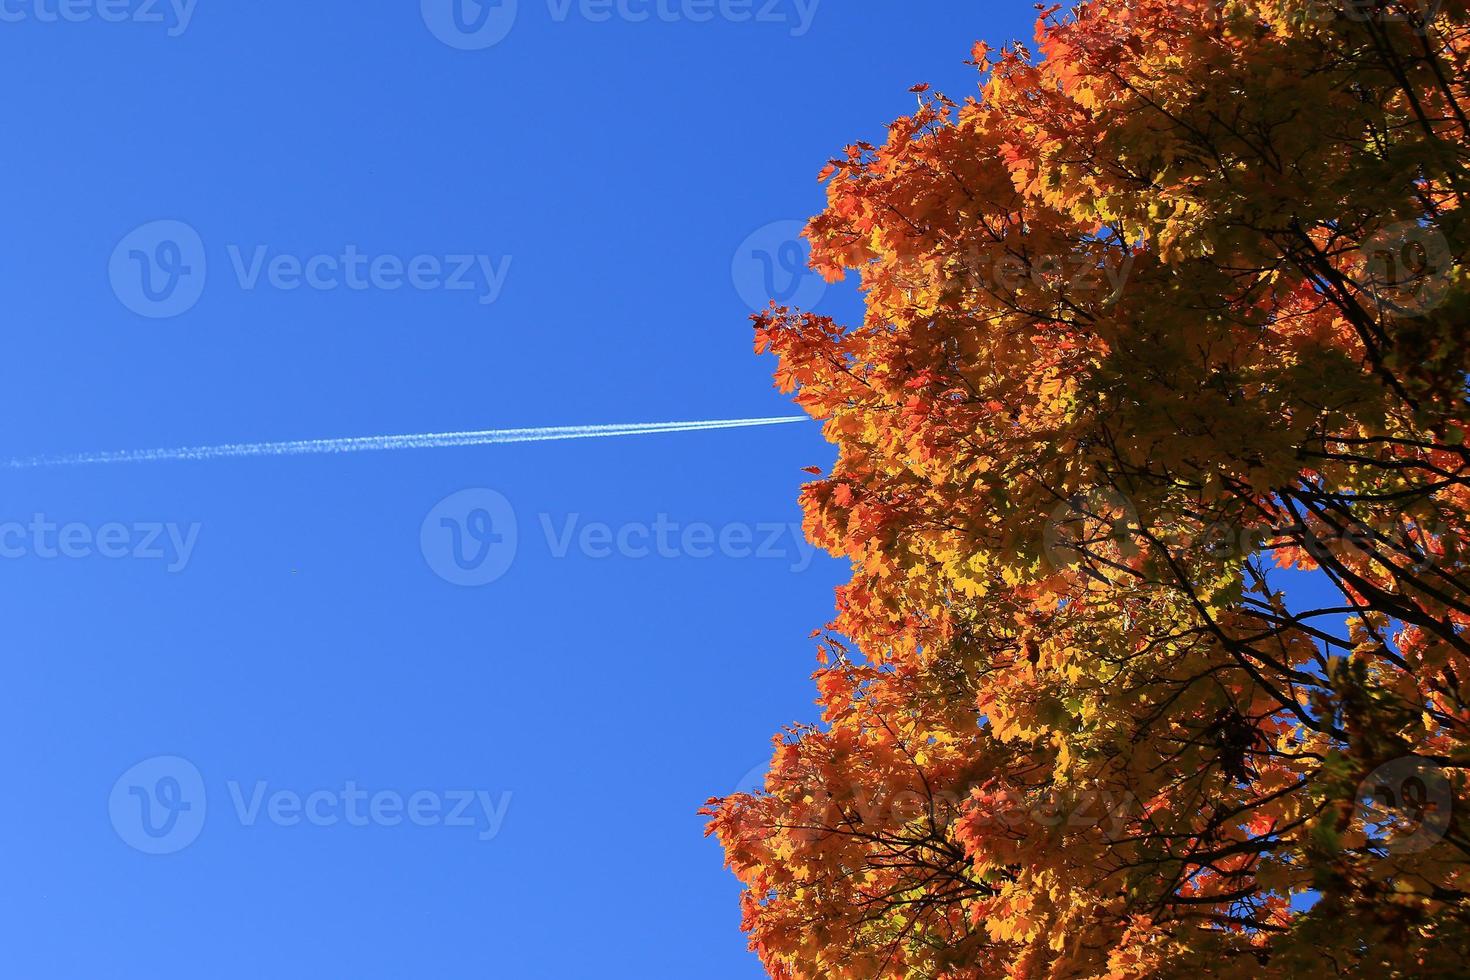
363, 757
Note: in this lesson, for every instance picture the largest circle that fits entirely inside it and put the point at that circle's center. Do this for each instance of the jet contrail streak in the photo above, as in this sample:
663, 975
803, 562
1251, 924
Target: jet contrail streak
425, 440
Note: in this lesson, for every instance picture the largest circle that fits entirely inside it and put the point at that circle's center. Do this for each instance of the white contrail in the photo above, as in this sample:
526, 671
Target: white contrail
425, 440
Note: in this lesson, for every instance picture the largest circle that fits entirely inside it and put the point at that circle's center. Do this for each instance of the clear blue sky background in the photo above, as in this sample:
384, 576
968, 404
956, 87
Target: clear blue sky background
308, 641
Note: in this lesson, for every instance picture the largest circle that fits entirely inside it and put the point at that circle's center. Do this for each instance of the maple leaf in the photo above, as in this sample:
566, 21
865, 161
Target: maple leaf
1168, 321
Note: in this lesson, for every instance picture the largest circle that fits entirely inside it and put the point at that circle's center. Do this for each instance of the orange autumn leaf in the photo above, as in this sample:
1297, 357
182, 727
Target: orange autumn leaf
1167, 320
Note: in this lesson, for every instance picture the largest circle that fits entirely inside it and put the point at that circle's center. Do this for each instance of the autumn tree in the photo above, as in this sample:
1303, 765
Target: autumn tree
1152, 471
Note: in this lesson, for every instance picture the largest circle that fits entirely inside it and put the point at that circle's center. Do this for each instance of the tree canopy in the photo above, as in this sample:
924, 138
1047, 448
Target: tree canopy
1152, 471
